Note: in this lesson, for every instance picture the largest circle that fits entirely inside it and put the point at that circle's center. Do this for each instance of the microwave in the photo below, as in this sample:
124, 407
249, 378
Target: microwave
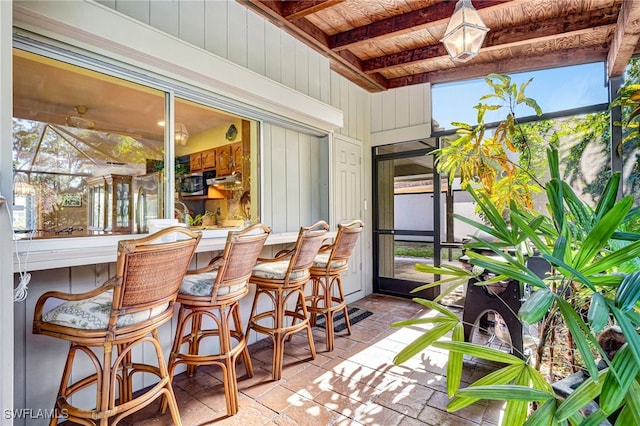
192, 184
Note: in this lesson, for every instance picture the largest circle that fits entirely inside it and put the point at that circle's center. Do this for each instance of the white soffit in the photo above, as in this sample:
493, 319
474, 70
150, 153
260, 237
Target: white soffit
113, 35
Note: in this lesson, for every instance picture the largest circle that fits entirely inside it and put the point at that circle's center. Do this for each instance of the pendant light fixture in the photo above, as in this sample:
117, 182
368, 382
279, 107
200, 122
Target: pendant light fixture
465, 32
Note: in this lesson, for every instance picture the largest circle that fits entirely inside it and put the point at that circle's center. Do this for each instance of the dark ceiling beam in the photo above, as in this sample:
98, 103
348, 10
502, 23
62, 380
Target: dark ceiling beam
560, 58
404, 23
499, 39
312, 36
292, 10
625, 38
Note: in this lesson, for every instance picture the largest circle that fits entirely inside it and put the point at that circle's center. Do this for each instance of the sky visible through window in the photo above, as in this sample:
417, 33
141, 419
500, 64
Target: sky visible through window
554, 89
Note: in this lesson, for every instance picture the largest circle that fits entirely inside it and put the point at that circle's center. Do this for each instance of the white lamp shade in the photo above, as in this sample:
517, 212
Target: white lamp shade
465, 32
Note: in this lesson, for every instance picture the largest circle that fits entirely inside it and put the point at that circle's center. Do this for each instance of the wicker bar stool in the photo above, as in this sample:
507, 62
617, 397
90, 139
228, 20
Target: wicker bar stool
213, 292
327, 295
124, 313
282, 279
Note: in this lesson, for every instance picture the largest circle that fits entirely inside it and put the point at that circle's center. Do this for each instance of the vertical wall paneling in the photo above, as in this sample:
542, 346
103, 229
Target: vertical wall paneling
108, 3
163, 15
191, 23
388, 109
256, 49
344, 102
334, 93
418, 96
376, 113
272, 43
402, 107
139, 10
288, 60
293, 176
302, 53
215, 30
305, 199
277, 166
237, 33
325, 80
314, 76
354, 118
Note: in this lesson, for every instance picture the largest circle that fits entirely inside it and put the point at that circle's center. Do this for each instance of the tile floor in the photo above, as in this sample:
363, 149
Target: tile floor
356, 384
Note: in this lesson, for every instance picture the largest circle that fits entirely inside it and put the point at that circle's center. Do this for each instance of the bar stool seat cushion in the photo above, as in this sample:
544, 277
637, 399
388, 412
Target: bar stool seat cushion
202, 285
276, 270
93, 313
322, 259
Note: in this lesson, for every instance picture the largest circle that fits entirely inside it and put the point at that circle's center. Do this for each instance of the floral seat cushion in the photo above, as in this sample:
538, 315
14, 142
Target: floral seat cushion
93, 313
275, 270
202, 285
322, 259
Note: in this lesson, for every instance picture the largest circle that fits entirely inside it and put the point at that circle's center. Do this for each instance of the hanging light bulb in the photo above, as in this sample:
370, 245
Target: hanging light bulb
181, 135
465, 32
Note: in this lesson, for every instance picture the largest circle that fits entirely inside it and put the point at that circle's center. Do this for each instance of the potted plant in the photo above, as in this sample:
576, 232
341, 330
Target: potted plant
594, 282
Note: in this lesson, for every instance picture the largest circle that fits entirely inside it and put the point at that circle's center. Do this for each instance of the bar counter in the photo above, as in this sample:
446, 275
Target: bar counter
42, 254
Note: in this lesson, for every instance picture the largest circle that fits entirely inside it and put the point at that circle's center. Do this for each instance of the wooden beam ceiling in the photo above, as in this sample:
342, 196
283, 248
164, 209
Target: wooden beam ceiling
382, 44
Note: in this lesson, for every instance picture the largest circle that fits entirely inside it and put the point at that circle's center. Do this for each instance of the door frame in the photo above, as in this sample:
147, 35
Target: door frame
404, 286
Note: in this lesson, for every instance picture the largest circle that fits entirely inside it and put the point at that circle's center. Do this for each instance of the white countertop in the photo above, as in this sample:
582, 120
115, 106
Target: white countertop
41, 254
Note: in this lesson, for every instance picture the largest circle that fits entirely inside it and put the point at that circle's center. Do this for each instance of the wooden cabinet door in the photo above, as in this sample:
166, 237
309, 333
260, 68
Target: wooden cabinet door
209, 159
195, 162
223, 165
237, 159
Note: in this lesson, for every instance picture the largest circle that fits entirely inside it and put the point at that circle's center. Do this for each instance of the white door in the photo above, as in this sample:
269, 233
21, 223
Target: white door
347, 206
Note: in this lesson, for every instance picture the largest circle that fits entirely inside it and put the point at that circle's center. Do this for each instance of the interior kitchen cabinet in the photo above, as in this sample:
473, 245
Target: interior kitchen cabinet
209, 159
224, 162
110, 204
195, 162
237, 158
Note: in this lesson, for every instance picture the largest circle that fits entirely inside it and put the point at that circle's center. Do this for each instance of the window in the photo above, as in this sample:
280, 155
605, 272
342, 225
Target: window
89, 153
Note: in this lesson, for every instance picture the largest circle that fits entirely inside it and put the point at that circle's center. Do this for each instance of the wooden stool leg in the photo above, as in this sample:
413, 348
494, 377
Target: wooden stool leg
344, 309
104, 388
194, 341
242, 339
305, 314
169, 397
278, 336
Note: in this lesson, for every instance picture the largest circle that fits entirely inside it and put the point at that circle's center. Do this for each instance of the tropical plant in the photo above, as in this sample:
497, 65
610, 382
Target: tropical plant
482, 158
594, 282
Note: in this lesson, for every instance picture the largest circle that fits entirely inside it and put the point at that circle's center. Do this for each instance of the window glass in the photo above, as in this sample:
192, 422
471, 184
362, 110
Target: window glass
555, 90
89, 154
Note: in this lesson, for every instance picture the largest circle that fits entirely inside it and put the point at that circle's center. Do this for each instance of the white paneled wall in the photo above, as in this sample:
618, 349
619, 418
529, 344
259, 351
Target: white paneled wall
233, 32
401, 114
292, 176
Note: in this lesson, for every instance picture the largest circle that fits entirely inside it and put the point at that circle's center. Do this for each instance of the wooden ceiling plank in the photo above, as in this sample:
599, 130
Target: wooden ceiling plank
313, 37
293, 10
552, 59
625, 38
406, 22
523, 34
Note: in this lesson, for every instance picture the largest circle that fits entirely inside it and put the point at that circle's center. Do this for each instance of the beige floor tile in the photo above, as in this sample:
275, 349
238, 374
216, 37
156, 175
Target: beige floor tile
355, 384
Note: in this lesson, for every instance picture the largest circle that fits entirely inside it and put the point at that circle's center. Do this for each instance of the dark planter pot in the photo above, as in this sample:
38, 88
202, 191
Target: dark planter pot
566, 386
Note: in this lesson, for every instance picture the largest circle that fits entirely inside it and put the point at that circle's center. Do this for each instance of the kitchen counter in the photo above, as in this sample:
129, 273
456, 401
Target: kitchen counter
51, 253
